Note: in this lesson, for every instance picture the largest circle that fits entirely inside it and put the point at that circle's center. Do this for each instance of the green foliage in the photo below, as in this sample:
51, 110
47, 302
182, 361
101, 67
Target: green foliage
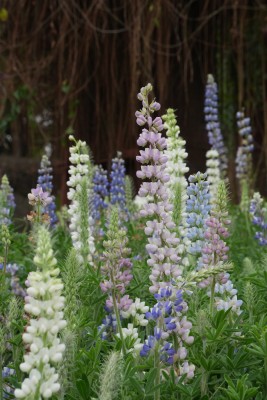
229, 351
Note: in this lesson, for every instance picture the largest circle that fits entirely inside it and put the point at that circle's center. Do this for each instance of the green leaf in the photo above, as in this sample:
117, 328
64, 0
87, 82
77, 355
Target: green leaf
138, 388
83, 386
151, 376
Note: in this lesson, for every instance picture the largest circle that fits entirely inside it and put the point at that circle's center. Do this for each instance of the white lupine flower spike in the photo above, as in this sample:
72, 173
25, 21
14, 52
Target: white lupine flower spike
79, 194
44, 304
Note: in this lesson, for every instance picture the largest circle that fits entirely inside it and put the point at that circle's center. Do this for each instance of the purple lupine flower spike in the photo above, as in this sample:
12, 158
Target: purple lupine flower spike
213, 124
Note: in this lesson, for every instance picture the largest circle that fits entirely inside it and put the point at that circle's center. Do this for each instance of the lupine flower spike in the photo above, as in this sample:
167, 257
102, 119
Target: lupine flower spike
162, 247
176, 164
162, 242
244, 158
258, 212
177, 168
117, 183
100, 192
45, 181
7, 202
116, 270
198, 208
213, 125
213, 172
215, 253
44, 304
168, 315
79, 195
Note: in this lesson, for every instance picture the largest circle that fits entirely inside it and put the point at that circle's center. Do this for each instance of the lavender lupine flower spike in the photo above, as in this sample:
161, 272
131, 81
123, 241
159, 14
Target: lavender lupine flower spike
7, 202
215, 254
213, 124
45, 179
162, 242
116, 270
162, 246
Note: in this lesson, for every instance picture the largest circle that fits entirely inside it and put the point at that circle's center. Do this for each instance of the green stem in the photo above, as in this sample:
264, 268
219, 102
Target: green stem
204, 375
118, 321
212, 292
5, 259
204, 381
38, 212
265, 368
250, 315
157, 366
157, 359
1, 379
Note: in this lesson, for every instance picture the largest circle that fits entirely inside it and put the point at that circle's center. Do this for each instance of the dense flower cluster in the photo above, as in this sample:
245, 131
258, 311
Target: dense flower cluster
132, 333
137, 311
213, 124
79, 194
258, 212
167, 314
226, 296
100, 190
7, 202
38, 197
40, 200
45, 181
44, 304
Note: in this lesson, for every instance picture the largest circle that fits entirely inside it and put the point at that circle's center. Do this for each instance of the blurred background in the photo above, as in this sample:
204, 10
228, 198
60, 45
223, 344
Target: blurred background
78, 65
